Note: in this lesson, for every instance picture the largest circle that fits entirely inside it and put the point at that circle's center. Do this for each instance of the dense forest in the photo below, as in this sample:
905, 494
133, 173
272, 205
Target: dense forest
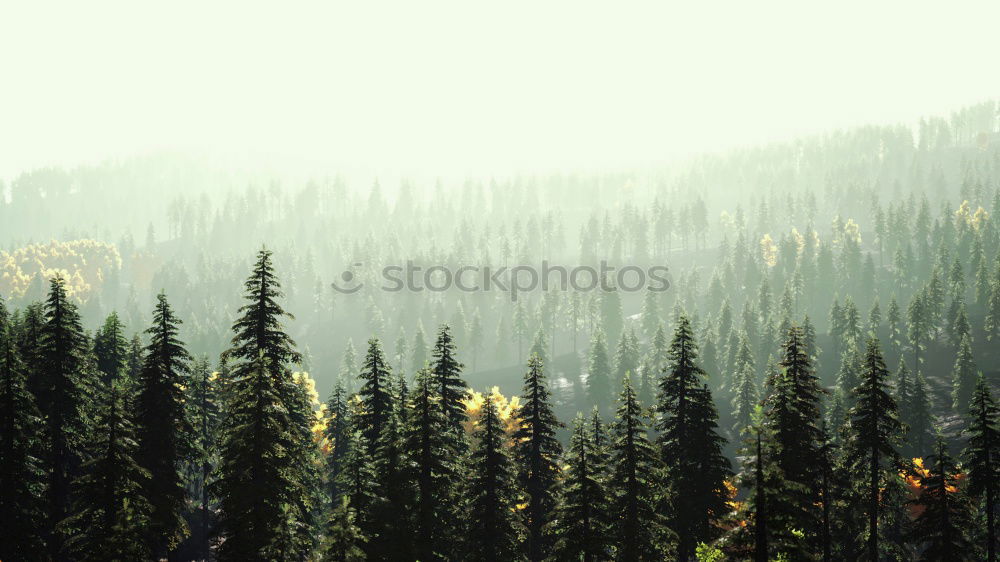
185, 381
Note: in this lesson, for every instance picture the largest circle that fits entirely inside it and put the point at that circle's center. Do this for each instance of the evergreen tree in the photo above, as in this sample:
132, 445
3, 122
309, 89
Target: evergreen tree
918, 325
612, 319
919, 419
742, 361
982, 454
204, 401
654, 364
448, 374
582, 517
941, 528
434, 470
963, 377
418, 358
65, 402
337, 431
598, 372
627, 355
793, 418
111, 349
537, 451
494, 531
28, 338
375, 395
357, 479
263, 484
394, 495
348, 363
870, 450
344, 538
760, 547
850, 372
110, 513
745, 399
638, 529
21, 472
163, 430
133, 364
691, 447
650, 314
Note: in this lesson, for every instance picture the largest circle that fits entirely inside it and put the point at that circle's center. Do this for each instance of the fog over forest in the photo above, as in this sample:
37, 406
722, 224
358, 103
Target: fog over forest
534, 283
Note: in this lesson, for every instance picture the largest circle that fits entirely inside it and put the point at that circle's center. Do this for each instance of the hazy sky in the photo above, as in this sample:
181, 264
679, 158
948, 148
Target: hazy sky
426, 87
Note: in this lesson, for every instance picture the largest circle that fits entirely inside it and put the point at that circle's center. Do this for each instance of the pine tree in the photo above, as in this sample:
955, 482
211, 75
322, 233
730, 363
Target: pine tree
434, 470
627, 355
67, 399
982, 454
582, 519
874, 433
337, 433
110, 513
654, 364
650, 314
418, 357
612, 319
448, 374
21, 472
111, 349
944, 512
375, 394
537, 452
265, 502
162, 428
357, 479
344, 538
745, 399
919, 418
903, 389
793, 418
348, 363
992, 321
638, 531
204, 402
394, 495
917, 325
850, 371
691, 447
760, 496
133, 363
29, 347
963, 377
494, 531
598, 372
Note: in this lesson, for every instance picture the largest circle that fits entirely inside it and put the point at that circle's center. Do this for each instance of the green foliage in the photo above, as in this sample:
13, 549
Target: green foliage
494, 530
871, 454
430, 444
163, 429
344, 540
21, 471
263, 482
537, 452
945, 513
110, 513
638, 529
690, 447
69, 391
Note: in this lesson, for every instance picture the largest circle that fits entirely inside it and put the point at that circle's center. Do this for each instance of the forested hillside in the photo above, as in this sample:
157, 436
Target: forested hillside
189, 379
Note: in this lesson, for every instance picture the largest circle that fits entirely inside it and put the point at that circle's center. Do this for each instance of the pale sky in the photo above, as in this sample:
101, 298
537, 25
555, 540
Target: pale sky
467, 87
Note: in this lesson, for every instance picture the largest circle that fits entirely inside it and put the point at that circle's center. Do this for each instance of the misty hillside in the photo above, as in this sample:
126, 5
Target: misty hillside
828, 297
